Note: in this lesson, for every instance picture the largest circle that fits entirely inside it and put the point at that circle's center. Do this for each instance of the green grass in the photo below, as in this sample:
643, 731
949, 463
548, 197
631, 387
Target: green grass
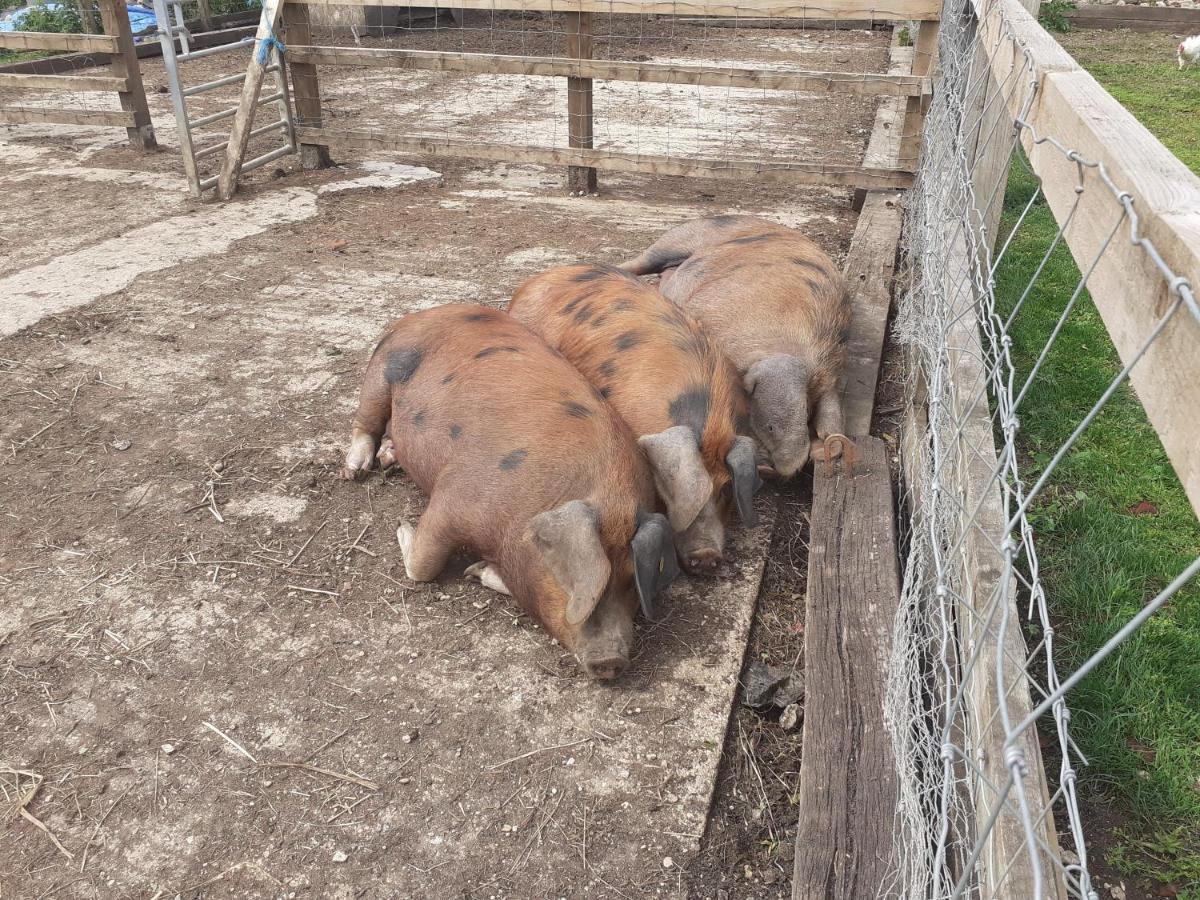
1137, 717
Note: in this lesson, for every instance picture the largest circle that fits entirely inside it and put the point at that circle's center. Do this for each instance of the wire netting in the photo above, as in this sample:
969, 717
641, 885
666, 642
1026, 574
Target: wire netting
980, 692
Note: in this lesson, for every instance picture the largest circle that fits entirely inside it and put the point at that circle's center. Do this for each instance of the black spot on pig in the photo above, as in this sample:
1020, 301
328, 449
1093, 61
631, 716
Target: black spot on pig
605, 393
623, 305
419, 418
401, 364
608, 368
600, 271
844, 334
576, 410
583, 314
481, 316
628, 340
724, 221
690, 408
446, 379
808, 264
455, 432
492, 351
513, 460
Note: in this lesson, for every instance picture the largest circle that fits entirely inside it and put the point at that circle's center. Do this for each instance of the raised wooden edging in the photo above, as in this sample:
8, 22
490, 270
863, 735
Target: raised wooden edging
840, 10
845, 849
1128, 290
845, 839
612, 160
642, 72
1136, 18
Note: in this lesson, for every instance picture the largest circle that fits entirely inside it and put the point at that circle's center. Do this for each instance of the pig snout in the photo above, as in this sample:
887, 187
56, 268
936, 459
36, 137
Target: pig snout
605, 641
703, 562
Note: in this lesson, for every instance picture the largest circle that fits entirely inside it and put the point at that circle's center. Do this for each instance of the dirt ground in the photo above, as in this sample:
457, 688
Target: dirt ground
215, 680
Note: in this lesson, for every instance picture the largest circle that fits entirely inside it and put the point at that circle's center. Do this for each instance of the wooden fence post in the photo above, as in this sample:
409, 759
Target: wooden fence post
580, 179
115, 18
205, 14
914, 113
306, 90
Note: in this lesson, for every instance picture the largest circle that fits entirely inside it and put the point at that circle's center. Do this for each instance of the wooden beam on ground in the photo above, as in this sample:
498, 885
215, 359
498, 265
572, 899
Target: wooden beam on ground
1170, 19
827, 174
48, 40
33, 115
839, 10
1128, 289
641, 72
580, 179
63, 82
848, 784
124, 65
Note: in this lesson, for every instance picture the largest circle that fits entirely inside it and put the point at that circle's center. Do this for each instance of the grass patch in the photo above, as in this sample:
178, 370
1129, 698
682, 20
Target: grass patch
1113, 530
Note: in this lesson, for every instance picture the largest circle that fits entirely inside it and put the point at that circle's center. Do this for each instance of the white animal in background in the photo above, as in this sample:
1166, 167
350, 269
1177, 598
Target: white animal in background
1189, 51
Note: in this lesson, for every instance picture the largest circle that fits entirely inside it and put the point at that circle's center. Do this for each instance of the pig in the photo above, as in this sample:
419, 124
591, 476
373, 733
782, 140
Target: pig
778, 306
677, 392
525, 466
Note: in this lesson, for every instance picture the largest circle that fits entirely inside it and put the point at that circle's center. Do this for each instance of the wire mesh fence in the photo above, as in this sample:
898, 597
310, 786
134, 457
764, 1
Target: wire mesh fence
980, 692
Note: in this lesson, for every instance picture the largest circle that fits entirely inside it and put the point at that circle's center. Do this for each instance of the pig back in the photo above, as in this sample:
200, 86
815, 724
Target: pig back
487, 413
764, 294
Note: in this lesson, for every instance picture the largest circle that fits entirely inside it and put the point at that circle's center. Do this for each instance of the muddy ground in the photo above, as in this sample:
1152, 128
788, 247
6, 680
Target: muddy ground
214, 678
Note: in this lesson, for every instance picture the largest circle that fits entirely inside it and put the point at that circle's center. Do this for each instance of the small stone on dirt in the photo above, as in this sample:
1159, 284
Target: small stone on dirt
411, 736
340, 856
168, 749
122, 444
668, 862
789, 719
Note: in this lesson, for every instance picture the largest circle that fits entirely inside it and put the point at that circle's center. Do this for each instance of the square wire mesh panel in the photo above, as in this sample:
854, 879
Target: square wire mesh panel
979, 685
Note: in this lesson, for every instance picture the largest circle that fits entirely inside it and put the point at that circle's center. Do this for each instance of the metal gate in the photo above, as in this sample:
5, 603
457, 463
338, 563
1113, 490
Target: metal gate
195, 146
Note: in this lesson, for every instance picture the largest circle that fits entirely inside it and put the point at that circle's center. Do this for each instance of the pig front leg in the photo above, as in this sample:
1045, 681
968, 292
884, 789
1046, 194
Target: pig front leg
425, 546
829, 422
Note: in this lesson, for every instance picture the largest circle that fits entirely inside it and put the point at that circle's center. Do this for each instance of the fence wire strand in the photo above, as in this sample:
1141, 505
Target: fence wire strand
974, 668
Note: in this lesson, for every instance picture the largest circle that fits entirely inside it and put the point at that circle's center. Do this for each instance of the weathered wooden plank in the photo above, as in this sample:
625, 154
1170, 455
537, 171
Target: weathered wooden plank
914, 113
840, 10
580, 179
1128, 289
243, 120
63, 82
614, 160
70, 62
1136, 18
124, 65
49, 40
643, 72
845, 848
870, 267
29, 115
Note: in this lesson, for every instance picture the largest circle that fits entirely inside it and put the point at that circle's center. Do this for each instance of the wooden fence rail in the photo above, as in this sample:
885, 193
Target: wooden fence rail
116, 48
579, 68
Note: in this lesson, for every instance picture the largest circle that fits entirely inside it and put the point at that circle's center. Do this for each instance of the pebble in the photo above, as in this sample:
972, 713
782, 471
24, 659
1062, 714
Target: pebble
340, 856
168, 749
668, 862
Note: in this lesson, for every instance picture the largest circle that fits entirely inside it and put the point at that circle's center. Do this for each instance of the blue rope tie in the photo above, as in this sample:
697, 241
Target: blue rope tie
265, 46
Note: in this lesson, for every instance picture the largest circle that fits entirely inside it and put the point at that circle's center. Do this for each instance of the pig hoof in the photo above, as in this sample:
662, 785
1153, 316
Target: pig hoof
359, 458
605, 668
703, 562
488, 577
387, 454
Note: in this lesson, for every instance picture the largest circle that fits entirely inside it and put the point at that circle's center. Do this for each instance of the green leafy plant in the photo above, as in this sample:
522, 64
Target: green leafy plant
905, 37
1053, 15
64, 20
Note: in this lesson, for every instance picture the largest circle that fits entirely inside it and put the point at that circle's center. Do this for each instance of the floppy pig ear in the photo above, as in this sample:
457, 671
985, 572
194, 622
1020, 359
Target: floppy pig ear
654, 563
744, 469
570, 546
679, 473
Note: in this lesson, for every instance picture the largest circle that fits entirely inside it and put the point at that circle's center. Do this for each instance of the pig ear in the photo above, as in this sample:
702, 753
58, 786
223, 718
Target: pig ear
679, 473
743, 467
569, 542
654, 563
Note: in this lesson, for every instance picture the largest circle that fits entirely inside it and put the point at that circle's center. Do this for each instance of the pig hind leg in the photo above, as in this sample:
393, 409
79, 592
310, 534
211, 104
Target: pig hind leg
427, 545
370, 420
488, 576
